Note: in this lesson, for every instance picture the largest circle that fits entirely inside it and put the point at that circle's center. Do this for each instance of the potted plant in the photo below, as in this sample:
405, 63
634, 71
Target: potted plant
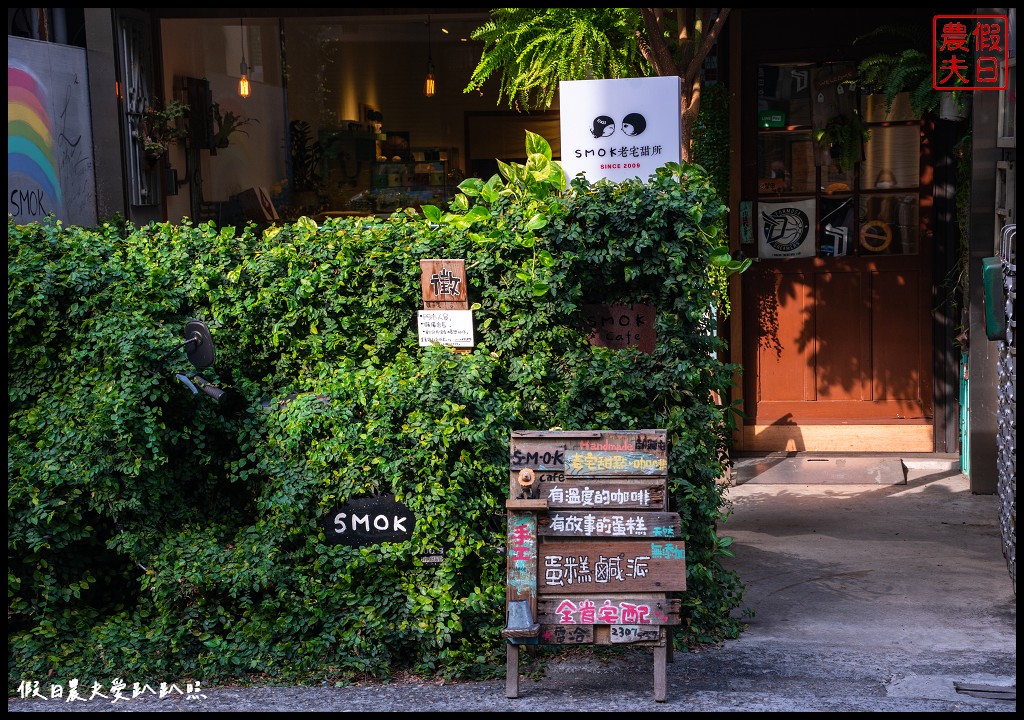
228, 123
908, 70
844, 136
161, 127
306, 181
305, 154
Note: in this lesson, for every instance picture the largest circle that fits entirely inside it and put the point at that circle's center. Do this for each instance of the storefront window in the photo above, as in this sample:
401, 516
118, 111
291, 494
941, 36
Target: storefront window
786, 162
866, 208
888, 224
892, 158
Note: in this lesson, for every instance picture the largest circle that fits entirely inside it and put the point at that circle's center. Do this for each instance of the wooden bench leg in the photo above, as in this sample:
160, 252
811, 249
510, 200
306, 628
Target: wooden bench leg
512, 670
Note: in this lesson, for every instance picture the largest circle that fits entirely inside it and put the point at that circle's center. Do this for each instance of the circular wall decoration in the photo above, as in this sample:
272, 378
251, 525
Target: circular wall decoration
875, 235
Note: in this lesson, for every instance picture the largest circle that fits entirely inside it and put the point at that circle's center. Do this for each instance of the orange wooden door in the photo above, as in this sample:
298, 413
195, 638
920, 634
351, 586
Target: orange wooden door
836, 312
841, 354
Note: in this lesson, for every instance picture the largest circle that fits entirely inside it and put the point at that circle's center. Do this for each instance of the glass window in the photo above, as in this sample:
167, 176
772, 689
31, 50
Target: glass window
892, 158
837, 227
786, 162
872, 108
867, 210
784, 95
835, 180
888, 224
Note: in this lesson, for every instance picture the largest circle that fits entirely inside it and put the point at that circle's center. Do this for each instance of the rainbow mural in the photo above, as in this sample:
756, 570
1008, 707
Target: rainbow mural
31, 148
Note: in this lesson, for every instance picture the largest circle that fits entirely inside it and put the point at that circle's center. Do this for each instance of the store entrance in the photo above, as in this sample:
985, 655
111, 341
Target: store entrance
837, 310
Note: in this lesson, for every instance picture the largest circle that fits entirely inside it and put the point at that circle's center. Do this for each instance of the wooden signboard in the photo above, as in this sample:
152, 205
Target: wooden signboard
614, 463
593, 550
443, 284
622, 566
605, 523
617, 610
566, 635
546, 449
621, 326
604, 493
446, 318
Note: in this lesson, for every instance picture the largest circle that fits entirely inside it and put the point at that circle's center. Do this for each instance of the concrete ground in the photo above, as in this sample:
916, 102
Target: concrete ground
886, 596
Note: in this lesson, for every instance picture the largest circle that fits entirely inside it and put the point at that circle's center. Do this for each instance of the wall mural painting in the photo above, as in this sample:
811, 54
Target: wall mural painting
49, 134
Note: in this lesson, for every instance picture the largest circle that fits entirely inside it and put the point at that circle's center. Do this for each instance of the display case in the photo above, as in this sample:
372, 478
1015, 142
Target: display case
396, 185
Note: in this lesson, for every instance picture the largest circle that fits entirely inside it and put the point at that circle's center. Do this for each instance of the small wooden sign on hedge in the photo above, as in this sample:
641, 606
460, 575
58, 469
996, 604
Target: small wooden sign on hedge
446, 318
369, 521
592, 550
621, 326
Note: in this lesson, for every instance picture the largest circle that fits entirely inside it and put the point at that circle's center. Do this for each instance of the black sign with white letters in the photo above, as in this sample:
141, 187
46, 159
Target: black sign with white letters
368, 521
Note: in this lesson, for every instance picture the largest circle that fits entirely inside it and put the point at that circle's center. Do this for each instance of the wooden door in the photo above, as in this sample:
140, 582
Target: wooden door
841, 353
836, 311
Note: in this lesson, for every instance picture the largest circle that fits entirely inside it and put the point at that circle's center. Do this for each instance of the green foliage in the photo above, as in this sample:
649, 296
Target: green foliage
305, 157
152, 534
905, 68
711, 139
844, 136
955, 282
532, 49
227, 124
162, 126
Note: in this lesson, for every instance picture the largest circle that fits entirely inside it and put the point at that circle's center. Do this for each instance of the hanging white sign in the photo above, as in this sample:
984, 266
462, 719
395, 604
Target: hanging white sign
619, 129
786, 229
453, 328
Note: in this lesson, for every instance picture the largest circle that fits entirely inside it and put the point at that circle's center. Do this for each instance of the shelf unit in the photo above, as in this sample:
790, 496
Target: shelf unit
870, 209
395, 185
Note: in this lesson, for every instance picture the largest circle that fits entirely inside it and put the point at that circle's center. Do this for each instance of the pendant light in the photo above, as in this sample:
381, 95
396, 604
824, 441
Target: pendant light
429, 86
243, 82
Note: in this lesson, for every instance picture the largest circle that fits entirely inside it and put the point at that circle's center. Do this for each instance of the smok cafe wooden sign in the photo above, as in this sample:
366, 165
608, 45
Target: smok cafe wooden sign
621, 326
591, 542
610, 469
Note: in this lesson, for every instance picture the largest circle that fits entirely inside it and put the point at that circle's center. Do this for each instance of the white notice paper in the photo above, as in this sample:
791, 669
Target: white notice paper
453, 328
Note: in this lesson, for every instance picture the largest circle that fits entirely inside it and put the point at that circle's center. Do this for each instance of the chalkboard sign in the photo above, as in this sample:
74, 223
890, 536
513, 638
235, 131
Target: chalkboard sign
369, 521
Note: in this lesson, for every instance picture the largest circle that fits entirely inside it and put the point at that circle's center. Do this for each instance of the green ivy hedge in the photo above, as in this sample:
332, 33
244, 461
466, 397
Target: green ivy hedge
153, 534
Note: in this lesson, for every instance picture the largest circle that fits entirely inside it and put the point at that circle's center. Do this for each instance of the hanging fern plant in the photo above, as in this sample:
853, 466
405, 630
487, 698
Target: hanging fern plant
844, 136
906, 68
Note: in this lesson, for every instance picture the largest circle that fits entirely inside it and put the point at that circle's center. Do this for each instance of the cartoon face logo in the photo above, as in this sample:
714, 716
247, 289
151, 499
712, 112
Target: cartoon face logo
634, 124
786, 228
603, 126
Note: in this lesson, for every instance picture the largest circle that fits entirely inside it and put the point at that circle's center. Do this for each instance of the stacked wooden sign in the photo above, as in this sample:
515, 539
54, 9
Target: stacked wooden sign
592, 550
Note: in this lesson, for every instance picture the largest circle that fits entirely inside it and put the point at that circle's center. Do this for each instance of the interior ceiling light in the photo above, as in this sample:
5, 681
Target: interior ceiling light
243, 82
429, 86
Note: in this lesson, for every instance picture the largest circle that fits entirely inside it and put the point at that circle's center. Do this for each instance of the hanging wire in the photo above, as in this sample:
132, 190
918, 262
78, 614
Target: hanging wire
243, 81
429, 84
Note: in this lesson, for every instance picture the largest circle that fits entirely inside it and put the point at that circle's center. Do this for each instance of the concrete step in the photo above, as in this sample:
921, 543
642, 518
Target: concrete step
817, 468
